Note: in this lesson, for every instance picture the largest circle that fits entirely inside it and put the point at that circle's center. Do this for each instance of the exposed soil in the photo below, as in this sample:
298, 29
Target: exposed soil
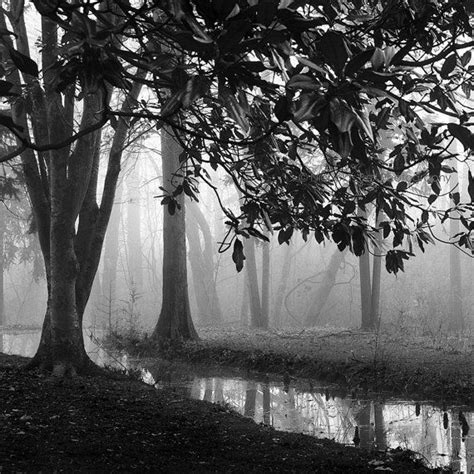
436, 367
113, 424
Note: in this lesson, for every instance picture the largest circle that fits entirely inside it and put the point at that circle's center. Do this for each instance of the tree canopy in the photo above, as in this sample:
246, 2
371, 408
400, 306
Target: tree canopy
318, 110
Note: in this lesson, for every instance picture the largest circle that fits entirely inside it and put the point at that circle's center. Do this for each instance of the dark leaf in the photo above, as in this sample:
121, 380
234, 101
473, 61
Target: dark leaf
24, 63
432, 198
234, 34
282, 109
285, 235
358, 61
470, 187
463, 134
402, 186
5, 88
266, 11
238, 255
319, 236
466, 58
172, 207
349, 207
334, 48
399, 164
448, 66
455, 198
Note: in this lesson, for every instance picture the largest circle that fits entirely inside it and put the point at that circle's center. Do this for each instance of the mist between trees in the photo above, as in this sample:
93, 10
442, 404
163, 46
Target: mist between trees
253, 163
308, 284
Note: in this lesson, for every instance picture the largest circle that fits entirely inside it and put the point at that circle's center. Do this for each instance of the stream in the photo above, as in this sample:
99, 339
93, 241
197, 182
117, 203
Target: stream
441, 436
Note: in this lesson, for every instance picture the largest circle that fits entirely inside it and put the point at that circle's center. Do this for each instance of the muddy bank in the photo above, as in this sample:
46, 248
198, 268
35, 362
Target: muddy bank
433, 367
105, 424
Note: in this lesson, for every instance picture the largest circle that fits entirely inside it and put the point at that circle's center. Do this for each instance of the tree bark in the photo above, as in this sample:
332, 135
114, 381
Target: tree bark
376, 275
3, 319
281, 292
174, 323
62, 187
256, 317
265, 283
135, 267
111, 255
455, 315
245, 305
365, 286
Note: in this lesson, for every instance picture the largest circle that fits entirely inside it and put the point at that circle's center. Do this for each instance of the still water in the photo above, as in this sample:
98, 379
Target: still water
441, 437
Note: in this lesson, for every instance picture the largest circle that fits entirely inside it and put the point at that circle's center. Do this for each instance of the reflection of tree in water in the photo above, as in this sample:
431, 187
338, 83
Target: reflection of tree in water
250, 399
322, 415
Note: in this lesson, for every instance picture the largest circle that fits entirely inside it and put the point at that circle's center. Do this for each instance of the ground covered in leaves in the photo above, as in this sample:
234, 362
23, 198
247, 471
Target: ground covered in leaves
437, 367
113, 424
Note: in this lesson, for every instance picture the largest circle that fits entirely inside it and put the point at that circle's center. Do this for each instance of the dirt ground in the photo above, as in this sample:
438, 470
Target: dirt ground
434, 367
112, 424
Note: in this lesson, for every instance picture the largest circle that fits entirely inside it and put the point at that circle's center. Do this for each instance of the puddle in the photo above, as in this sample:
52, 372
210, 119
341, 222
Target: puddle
442, 438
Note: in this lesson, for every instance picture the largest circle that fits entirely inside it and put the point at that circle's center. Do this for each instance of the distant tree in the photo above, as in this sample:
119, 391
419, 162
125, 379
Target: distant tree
174, 323
322, 293
201, 258
18, 242
257, 317
134, 248
282, 80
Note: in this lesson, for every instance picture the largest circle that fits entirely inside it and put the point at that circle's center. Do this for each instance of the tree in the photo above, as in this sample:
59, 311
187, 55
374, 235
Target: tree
202, 265
455, 315
133, 230
110, 260
18, 242
266, 282
290, 82
61, 179
321, 296
174, 323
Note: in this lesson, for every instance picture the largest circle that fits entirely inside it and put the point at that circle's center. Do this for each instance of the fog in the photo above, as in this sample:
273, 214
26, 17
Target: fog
310, 284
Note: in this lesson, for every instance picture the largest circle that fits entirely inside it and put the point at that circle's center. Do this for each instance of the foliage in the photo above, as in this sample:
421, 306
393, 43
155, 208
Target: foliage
291, 98
20, 244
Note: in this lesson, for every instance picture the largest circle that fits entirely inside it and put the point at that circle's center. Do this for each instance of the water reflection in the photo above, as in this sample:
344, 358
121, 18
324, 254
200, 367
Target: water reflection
443, 438
435, 434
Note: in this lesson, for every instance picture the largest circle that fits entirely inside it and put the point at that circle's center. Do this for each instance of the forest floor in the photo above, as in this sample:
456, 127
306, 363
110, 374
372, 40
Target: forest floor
436, 367
116, 424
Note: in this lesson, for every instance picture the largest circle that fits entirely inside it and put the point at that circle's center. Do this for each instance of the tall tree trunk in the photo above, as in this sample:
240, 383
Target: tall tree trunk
455, 314
256, 319
111, 255
67, 344
174, 323
365, 286
281, 292
62, 187
3, 319
245, 305
324, 290
265, 283
376, 275
134, 244
202, 266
